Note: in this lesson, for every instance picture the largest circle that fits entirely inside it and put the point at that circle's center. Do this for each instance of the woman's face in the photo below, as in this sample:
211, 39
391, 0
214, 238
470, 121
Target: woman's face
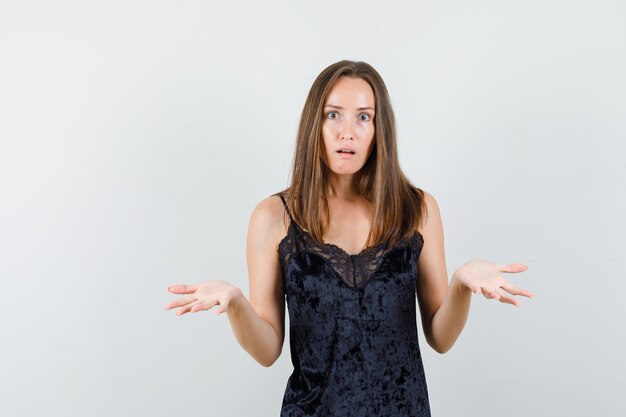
348, 124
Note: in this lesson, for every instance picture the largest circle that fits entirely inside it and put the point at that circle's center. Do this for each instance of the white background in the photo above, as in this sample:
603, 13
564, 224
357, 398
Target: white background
137, 136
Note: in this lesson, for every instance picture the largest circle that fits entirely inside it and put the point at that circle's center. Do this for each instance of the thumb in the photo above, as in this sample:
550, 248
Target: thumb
514, 267
183, 289
223, 305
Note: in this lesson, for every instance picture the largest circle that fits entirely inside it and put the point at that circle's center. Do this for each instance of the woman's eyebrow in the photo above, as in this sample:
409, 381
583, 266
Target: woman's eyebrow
341, 108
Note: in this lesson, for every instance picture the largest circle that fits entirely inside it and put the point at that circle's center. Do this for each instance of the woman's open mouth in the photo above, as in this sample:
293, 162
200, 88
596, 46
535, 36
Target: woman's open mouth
346, 153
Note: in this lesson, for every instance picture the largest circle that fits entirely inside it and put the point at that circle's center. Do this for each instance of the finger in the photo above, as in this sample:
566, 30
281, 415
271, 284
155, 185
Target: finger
514, 267
490, 294
512, 289
508, 300
185, 309
203, 305
183, 289
222, 308
180, 303
473, 287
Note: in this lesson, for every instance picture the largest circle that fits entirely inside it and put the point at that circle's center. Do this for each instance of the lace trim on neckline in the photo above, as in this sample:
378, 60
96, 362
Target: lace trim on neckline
355, 270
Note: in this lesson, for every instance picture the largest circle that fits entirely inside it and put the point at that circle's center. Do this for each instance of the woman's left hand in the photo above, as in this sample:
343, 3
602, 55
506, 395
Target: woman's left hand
485, 277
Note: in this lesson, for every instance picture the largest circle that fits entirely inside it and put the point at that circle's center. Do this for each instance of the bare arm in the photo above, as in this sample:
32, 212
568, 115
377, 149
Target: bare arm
444, 308
259, 324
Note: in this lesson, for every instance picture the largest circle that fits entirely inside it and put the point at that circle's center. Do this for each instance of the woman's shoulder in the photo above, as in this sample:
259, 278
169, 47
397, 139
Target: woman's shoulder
432, 214
423, 194
428, 197
269, 208
428, 205
269, 216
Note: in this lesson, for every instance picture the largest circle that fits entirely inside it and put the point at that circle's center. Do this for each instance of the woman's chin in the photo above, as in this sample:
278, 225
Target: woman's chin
345, 170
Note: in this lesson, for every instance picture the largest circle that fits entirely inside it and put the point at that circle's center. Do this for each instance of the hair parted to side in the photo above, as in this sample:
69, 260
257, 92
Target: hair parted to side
398, 206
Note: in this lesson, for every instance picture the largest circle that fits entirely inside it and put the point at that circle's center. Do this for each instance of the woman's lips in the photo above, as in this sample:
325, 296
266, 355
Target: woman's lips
346, 155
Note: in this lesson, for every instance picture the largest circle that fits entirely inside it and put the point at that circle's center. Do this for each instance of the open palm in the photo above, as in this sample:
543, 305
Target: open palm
485, 277
204, 296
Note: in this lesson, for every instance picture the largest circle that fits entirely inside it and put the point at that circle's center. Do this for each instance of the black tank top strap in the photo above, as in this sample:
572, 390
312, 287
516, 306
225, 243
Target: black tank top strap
286, 208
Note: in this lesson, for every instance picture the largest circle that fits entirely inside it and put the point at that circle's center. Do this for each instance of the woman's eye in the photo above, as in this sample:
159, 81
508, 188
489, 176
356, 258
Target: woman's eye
331, 113
367, 117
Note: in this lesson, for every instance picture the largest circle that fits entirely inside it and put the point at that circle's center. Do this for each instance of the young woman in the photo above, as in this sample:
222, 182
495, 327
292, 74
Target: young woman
350, 244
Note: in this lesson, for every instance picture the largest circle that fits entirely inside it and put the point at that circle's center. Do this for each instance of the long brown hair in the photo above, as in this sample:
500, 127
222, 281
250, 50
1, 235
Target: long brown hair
398, 206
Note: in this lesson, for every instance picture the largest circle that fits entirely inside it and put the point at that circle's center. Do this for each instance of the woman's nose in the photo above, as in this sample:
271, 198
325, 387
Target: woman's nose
346, 130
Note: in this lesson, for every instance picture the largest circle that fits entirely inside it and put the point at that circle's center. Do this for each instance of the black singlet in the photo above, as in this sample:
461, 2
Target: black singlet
352, 329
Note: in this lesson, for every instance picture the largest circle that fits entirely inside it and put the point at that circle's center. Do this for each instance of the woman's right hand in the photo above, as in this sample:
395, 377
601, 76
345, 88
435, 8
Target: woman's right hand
204, 296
